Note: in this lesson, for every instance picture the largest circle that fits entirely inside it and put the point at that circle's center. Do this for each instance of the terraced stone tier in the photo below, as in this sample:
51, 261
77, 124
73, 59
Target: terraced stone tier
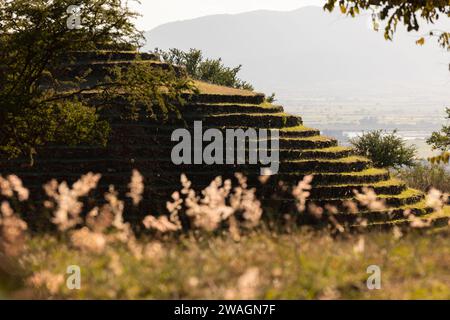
274, 120
192, 110
298, 132
335, 152
370, 175
147, 152
210, 93
101, 69
361, 177
348, 164
406, 197
385, 218
436, 220
315, 142
87, 57
391, 187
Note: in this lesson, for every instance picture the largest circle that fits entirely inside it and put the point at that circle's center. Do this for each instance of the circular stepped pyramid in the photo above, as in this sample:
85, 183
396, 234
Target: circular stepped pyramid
337, 170
146, 145
303, 151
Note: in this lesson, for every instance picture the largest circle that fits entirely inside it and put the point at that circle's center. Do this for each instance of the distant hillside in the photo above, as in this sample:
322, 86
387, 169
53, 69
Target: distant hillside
312, 51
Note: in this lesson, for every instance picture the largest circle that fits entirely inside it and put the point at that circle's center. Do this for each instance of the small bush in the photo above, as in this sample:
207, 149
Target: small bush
385, 149
209, 70
440, 140
424, 176
271, 98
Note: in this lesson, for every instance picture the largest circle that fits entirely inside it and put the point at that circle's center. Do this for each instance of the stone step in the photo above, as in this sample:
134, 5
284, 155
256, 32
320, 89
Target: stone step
366, 176
406, 197
211, 93
208, 93
366, 219
299, 167
298, 132
202, 178
192, 110
322, 153
349, 164
109, 55
258, 120
51, 154
139, 144
101, 69
419, 209
369, 175
388, 187
437, 220
297, 147
221, 98
166, 131
314, 142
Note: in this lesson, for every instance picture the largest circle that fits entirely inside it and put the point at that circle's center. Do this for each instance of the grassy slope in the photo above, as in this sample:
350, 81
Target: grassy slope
298, 265
208, 88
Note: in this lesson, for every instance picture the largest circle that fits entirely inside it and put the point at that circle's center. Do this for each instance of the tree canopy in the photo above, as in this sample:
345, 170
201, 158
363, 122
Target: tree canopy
406, 12
440, 140
36, 38
385, 149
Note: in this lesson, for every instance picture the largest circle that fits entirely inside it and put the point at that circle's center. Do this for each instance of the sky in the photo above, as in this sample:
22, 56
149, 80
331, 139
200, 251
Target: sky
157, 12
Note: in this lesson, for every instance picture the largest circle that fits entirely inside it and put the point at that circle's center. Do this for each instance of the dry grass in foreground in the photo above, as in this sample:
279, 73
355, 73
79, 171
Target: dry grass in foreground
300, 265
212, 245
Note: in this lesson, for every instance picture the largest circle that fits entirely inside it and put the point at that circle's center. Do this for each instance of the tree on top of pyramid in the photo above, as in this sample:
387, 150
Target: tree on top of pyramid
36, 39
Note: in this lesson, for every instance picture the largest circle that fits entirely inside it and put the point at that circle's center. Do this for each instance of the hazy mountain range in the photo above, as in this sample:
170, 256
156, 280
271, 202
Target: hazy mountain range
309, 52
